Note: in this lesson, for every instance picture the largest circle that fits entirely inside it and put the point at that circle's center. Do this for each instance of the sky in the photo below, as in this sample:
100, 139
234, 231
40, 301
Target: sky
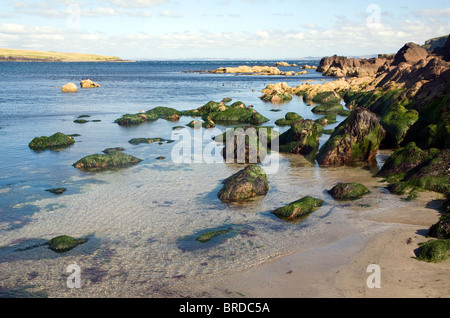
221, 29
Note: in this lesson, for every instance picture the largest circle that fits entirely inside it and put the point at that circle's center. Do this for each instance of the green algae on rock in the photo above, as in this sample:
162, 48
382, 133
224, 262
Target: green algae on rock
56, 141
298, 209
302, 138
248, 183
348, 191
434, 251
112, 158
137, 141
64, 243
355, 140
150, 115
219, 113
288, 119
326, 120
206, 237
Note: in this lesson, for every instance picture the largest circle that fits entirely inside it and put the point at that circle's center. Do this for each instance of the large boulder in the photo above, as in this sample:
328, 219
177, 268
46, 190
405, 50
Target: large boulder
54, 142
410, 53
88, 84
348, 191
248, 183
69, 88
356, 139
302, 138
110, 159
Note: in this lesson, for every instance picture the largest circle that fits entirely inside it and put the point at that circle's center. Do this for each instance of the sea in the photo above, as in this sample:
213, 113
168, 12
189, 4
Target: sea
141, 222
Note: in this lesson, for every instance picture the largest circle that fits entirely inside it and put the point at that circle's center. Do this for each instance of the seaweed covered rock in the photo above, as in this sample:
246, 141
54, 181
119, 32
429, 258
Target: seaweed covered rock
54, 142
288, 119
326, 120
150, 115
208, 236
429, 175
137, 141
405, 159
248, 183
330, 109
348, 191
328, 97
302, 138
441, 229
396, 123
64, 243
356, 139
219, 113
434, 251
298, 209
112, 158
247, 144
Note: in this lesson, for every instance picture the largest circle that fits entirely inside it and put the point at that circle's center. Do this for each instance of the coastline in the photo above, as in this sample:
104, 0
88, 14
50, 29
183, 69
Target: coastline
338, 270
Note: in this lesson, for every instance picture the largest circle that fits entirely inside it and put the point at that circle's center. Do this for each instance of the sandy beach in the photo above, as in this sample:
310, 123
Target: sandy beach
339, 270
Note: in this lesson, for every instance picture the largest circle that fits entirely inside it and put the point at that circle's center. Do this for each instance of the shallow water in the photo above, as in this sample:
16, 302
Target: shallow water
141, 222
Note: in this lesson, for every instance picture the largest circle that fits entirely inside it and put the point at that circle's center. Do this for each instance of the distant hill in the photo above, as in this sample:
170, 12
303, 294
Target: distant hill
434, 43
13, 55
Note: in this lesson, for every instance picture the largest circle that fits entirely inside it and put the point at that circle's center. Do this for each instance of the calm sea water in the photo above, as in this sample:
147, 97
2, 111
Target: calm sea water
142, 221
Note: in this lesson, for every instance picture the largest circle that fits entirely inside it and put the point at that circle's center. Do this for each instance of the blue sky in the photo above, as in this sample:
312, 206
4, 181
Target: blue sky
250, 29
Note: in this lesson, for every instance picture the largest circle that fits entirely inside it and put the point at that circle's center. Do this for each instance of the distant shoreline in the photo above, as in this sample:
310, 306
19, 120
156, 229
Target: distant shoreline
13, 55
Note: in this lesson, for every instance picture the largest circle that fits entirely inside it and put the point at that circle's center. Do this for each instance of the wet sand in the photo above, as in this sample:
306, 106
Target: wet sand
339, 270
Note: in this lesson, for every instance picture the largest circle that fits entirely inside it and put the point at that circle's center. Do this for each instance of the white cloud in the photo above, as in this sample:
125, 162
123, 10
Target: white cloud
170, 14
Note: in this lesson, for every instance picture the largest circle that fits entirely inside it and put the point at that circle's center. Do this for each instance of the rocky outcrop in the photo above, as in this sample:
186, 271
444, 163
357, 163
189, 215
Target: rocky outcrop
410, 53
277, 93
88, 84
69, 88
341, 66
248, 183
356, 139
252, 70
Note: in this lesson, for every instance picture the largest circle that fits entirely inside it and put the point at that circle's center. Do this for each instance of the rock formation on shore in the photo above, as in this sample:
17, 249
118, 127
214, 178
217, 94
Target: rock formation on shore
356, 139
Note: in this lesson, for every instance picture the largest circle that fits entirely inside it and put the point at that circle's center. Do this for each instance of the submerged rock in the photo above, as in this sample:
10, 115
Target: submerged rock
112, 158
56, 141
248, 183
206, 237
348, 191
64, 243
137, 141
298, 209
57, 190
356, 139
